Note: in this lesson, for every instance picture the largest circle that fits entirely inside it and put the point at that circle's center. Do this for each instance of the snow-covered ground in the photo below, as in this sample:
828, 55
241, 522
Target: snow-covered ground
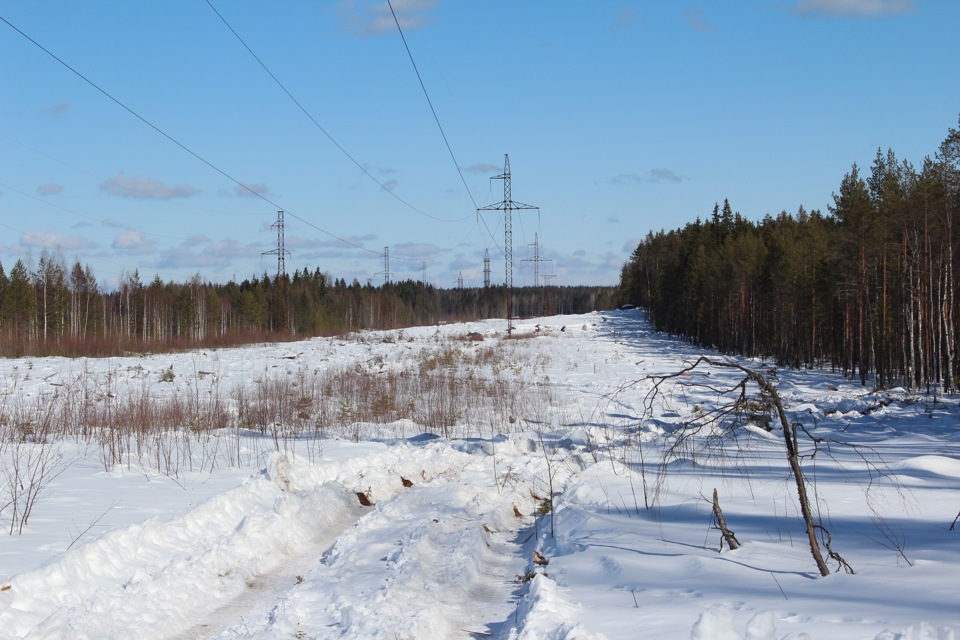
263, 535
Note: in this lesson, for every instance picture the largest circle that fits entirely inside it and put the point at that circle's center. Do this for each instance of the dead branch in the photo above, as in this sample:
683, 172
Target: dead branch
827, 539
721, 524
737, 406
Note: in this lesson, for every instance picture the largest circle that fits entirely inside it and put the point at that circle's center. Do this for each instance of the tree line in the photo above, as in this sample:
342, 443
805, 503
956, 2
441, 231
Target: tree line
53, 309
867, 288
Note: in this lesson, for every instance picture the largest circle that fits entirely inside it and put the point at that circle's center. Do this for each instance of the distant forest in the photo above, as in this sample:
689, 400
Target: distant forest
55, 310
867, 288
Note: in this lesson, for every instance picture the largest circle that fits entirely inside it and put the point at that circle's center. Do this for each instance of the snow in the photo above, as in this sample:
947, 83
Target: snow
242, 534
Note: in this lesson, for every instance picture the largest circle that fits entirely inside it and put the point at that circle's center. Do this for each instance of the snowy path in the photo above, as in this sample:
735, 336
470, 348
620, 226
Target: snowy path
436, 560
293, 551
264, 590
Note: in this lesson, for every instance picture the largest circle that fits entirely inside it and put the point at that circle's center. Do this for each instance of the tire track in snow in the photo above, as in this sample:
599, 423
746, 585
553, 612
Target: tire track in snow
168, 575
163, 575
437, 560
264, 590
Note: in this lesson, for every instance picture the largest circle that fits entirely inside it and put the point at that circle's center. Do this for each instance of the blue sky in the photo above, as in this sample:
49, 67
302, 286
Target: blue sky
619, 118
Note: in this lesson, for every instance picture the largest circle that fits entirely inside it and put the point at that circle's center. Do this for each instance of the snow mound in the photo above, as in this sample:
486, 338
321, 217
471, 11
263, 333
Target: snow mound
929, 465
716, 623
547, 615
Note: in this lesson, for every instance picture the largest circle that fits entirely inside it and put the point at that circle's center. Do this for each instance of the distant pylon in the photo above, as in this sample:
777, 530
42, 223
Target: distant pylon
508, 206
386, 265
460, 280
549, 308
423, 280
486, 269
536, 259
281, 251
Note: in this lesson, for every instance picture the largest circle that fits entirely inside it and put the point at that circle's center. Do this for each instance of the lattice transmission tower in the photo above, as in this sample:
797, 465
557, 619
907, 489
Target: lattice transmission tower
486, 269
536, 260
281, 251
549, 306
508, 206
386, 266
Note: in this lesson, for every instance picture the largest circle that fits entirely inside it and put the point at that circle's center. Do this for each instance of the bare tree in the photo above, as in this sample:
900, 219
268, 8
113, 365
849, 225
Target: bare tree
30, 459
738, 404
27, 469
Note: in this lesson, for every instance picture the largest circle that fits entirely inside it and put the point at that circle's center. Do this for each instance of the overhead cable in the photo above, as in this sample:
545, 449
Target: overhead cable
182, 146
429, 102
324, 131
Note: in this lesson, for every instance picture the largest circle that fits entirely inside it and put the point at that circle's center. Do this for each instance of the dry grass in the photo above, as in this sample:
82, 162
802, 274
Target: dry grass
100, 346
174, 425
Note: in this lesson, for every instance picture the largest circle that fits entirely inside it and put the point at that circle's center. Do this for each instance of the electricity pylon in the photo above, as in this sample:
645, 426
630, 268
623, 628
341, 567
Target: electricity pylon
486, 268
508, 206
536, 260
386, 266
281, 251
549, 307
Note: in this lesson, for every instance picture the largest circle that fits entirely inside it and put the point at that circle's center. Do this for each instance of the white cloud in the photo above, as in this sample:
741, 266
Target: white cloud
583, 268
133, 242
50, 189
697, 22
366, 18
625, 17
195, 239
53, 239
58, 109
145, 188
414, 250
854, 8
251, 190
649, 177
215, 255
304, 250
484, 167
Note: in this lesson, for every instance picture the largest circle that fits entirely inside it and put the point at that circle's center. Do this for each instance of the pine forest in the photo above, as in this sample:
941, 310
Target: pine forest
867, 288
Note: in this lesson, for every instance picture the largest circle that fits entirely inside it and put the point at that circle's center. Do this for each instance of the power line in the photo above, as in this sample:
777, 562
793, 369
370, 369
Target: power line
43, 154
429, 102
181, 145
324, 131
216, 168
132, 112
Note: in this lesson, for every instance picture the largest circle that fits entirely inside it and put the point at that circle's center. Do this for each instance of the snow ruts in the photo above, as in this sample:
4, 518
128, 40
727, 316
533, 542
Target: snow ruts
436, 559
